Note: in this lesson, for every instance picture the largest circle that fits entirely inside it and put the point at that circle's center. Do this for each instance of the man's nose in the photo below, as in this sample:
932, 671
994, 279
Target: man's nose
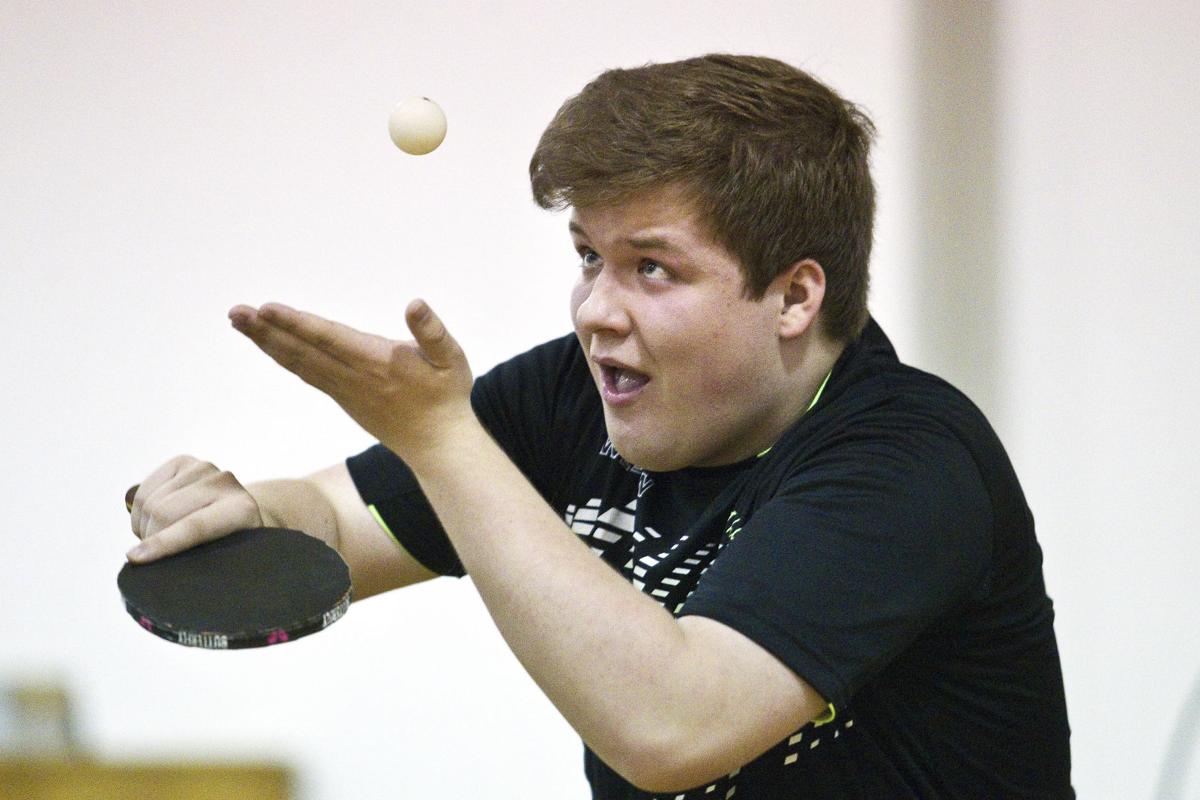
604, 306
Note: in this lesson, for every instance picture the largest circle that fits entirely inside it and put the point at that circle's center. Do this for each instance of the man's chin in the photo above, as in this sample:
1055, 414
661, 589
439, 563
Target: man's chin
654, 456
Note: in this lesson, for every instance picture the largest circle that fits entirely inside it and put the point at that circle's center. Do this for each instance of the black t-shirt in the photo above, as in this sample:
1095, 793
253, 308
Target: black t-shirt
882, 549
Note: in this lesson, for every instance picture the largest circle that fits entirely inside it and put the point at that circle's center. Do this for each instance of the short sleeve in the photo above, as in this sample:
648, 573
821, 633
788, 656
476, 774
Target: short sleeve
860, 550
518, 402
391, 492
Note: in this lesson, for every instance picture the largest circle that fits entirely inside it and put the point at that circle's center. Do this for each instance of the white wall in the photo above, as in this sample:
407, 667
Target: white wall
1101, 290
160, 162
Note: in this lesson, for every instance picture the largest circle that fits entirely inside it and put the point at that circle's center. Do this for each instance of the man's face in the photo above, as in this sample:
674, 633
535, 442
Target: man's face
690, 372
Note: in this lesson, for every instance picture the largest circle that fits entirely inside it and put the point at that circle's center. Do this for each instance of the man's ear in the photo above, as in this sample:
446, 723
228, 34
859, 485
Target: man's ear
803, 289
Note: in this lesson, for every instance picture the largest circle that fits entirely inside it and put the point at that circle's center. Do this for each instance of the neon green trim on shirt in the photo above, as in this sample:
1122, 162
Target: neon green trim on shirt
379, 518
816, 397
819, 392
827, 716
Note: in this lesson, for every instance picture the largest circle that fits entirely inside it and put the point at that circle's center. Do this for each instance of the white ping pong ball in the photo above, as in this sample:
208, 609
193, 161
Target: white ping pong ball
417, 125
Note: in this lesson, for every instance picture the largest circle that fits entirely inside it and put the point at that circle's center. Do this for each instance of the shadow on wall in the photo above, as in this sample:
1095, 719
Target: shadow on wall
958, 196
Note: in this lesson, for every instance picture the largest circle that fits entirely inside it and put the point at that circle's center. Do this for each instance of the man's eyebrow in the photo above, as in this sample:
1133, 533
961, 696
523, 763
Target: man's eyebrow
636, 242
652, 243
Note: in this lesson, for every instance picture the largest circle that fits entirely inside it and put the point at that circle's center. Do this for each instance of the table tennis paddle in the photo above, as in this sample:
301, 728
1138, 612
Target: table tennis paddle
252, 588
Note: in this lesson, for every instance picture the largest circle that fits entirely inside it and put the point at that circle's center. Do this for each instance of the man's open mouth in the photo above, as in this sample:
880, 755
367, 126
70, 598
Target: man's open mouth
621, 383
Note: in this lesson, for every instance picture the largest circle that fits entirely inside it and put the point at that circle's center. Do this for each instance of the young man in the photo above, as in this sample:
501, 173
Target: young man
738, 544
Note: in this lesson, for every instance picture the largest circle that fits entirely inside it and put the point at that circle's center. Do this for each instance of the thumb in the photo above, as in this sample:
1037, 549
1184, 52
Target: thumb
437, 345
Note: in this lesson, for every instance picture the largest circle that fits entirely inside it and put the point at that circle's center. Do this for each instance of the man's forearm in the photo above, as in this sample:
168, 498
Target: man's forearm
296, 504
601, 650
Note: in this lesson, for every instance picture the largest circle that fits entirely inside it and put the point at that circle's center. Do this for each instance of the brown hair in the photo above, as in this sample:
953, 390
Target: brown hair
775, 161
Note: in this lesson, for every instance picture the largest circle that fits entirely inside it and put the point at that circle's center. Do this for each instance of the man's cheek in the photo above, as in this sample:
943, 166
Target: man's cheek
716, 381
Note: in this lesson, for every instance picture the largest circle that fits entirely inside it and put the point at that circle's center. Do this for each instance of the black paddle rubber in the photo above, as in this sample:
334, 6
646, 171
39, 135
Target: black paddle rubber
251, 588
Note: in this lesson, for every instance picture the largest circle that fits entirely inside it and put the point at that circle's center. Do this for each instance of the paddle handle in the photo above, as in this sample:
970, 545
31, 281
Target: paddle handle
129, 495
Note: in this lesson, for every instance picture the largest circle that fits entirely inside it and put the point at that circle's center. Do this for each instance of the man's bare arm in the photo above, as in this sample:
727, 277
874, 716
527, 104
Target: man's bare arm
326, 504
668, 703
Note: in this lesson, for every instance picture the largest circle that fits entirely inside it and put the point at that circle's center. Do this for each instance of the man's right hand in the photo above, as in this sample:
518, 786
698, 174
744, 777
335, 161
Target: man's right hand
186, 502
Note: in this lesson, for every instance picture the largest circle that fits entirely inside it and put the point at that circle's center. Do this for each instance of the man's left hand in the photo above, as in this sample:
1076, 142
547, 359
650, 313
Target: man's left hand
408, 394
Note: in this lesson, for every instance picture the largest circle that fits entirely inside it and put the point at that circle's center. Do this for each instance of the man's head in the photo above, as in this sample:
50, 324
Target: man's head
691, 372
774, 162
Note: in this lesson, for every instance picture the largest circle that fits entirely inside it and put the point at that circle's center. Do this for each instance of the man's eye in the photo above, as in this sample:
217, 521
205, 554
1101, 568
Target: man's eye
653, 269
588, 258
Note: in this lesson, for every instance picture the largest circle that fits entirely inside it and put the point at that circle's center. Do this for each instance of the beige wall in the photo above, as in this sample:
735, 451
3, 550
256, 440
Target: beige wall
160, 163
1057, 188
1101, 187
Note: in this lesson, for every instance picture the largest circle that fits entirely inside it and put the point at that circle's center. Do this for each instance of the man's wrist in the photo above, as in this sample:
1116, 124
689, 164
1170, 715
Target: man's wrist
445, 445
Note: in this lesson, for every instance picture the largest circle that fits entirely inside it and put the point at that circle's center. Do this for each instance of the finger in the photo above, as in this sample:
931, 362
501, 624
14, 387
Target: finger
177, 500
151, 483
205, 524
346, 344
174, 490
307, 362
437, 345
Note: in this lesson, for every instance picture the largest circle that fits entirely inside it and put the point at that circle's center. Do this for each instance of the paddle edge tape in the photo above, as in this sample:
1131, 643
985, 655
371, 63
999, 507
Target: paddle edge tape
245, 639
